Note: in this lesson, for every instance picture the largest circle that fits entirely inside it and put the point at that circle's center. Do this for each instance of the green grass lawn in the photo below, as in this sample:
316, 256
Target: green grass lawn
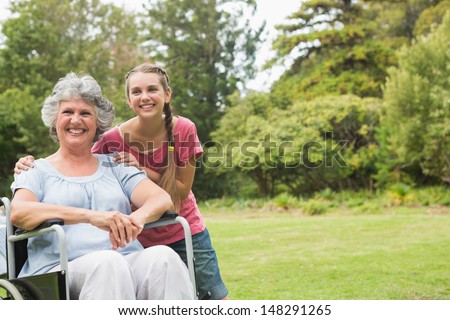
399, 255
403, 253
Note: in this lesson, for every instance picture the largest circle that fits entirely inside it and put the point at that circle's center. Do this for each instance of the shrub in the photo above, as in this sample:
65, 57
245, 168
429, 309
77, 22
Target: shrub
400, 194
314, 207
285, 201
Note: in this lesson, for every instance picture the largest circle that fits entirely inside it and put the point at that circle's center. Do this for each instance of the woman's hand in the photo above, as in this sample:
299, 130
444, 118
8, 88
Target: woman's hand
23, 164
122, 228
127, 158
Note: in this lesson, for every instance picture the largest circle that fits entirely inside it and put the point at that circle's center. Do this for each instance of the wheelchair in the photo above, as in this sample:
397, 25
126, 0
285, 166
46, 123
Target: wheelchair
54, 285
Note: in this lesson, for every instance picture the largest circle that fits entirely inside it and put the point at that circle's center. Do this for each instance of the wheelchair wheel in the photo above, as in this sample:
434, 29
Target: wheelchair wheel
11, 292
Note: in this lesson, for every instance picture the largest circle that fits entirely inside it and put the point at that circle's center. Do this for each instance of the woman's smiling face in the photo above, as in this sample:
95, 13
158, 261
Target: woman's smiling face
76, 123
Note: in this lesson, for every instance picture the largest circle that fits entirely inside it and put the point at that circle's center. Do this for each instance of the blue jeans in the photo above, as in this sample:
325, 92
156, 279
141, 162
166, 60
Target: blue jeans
207, 274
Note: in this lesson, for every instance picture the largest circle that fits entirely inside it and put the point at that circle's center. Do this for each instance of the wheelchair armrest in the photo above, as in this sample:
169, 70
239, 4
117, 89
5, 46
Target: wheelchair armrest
167, 218
48, 226
45, 224
168, 215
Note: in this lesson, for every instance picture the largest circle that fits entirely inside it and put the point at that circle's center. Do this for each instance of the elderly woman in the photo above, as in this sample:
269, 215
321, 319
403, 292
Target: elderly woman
92, 194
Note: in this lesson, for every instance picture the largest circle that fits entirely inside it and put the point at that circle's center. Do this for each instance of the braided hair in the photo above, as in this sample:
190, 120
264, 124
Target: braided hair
167, 180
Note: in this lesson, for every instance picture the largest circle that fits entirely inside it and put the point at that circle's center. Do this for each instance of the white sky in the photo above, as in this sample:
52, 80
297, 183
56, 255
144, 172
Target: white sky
273, 11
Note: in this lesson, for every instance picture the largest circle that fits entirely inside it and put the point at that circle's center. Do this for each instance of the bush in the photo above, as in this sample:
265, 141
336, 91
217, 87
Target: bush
436, 195
400, 194
314, 207
285, 201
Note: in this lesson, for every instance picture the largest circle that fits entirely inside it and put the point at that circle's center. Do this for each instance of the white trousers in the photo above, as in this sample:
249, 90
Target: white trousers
155, 273
2, 244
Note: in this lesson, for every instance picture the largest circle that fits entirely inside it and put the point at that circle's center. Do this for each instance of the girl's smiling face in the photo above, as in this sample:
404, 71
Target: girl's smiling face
146, 95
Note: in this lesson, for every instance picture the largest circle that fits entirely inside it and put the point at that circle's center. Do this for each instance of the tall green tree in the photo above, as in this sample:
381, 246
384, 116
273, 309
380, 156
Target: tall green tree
208, 47
415, 127
333, 51
327, 142
42, 41
397, 21
46, 39
344, 46
430, 18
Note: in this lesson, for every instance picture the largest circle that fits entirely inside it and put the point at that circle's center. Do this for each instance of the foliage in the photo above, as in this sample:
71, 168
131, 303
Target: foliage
432, 196
415, 126
402, 20
314, 207
302, 148
285, 201
23, 111
243, 126
334, 51
256, 144
399, 194
398, 197
21, 131
209, 47
44, 40
430, 18
345, 47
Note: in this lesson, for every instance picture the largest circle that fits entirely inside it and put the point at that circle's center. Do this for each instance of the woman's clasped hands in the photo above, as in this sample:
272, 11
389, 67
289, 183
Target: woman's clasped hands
122, 229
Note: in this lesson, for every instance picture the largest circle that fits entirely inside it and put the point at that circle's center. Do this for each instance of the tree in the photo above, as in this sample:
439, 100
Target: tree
239, 142
415, 127
208, 47
397, 21
430, 18
343, 46
327, 142
44, 40
12, 105
333, 51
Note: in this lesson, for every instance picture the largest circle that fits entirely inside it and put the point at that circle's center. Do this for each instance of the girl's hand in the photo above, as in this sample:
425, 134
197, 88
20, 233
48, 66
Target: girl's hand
127, 158
23, 164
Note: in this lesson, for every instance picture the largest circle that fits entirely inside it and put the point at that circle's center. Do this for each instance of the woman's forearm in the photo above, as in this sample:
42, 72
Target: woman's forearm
29, 214
151, 201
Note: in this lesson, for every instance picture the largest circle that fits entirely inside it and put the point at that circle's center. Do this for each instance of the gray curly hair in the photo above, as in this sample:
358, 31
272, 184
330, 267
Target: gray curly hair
75, 87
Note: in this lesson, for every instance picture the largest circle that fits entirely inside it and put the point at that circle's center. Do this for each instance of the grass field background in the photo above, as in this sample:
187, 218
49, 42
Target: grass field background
403, 253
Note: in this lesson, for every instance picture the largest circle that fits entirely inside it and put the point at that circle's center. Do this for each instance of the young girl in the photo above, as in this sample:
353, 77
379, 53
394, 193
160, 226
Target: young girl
166, 147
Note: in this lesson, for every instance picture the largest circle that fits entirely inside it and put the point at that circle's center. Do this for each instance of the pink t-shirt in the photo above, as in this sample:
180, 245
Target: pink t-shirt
187, 145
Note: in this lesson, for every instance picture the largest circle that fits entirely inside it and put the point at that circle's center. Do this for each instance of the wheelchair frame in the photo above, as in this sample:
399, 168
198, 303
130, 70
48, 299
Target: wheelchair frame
55, 225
